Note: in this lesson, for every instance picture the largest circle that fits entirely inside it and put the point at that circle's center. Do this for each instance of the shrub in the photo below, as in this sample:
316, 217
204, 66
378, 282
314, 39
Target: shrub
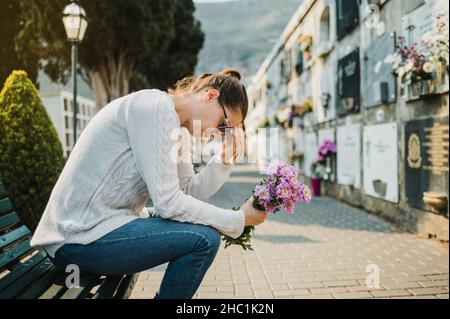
31, 155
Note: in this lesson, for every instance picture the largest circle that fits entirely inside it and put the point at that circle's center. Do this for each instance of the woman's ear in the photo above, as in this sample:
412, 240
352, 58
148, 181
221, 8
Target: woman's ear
212, 94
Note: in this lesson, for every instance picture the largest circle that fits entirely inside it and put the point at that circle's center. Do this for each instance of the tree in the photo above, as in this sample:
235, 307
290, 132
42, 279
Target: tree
31, 155
164, 69
120, 33
11, 23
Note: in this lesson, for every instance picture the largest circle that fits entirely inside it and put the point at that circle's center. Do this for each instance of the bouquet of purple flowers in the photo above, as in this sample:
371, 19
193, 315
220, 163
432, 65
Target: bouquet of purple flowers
326, 148
280, 189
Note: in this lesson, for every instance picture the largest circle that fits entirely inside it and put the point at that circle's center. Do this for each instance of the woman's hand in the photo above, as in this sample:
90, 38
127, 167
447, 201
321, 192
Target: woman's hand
252, 215
233, 146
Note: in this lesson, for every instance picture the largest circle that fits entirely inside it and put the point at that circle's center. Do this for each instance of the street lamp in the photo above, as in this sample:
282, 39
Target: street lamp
75, 23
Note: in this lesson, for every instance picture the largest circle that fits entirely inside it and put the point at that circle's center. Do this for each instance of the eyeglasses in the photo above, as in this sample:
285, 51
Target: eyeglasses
223, 128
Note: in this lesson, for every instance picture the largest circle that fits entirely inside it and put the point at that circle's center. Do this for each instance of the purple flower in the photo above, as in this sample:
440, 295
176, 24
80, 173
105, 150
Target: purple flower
281, 189
284, 191
262, 193
306, 193
289, 206
272, 168
326, 148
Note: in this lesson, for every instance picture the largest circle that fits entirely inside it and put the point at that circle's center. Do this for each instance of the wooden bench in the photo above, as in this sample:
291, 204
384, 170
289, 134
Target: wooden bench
26, 273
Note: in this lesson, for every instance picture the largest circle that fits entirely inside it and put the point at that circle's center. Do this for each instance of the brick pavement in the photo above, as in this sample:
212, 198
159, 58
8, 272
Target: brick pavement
327, 249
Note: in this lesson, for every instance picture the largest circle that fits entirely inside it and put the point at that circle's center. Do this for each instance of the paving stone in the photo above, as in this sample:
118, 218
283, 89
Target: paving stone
429, 291
321, 251
390, 293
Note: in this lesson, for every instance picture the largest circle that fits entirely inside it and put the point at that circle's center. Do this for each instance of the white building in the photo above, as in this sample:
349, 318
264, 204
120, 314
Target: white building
58, 100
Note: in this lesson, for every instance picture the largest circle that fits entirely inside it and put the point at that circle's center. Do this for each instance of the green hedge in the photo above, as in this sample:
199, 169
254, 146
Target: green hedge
31, 155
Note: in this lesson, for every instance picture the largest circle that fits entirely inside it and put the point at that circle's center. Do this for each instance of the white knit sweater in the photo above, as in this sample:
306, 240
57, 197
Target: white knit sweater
120, 161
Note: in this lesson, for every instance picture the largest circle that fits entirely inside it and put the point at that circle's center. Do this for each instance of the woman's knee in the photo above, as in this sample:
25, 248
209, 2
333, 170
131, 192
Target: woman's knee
210, 238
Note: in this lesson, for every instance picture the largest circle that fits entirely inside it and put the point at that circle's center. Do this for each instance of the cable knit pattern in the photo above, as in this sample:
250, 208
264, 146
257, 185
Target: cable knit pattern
120, 161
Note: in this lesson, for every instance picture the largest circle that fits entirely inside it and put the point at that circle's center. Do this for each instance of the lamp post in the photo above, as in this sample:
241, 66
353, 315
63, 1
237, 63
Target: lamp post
75, 23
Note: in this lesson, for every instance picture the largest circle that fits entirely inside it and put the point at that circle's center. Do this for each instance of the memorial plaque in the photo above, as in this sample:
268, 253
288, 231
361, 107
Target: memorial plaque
380, 161
426, 160
348, 84
379, 81
349, 155
417, 23
310, 152
347, 12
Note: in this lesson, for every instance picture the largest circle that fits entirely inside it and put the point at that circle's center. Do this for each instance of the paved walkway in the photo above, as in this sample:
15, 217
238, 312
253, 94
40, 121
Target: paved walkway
325, 250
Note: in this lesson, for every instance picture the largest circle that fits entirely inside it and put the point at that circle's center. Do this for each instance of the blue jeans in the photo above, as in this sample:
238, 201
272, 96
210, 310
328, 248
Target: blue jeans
146, 243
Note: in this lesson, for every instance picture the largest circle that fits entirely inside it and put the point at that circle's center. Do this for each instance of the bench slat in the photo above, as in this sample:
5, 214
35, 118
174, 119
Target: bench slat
37, 277
8, 220
56, 289
20, 270
5, 205
127, 286
30, 277
11, 237
15, 253
86, 284
38, 286
109, 287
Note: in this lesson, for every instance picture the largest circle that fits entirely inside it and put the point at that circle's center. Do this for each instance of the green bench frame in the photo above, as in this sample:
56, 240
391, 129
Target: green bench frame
26, 273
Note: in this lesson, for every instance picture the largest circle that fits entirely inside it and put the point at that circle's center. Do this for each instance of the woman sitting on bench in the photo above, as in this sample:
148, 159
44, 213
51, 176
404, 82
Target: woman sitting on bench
123, 158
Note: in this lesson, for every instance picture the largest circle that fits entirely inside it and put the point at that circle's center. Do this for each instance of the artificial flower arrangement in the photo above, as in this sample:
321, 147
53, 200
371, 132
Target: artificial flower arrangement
306, 106
306, 43
322, 166
426, 61
325, 149
281, 189
436, 46
408, 64
282, 117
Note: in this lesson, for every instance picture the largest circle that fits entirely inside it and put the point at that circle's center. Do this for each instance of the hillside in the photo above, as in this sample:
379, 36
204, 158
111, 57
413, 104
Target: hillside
241, 33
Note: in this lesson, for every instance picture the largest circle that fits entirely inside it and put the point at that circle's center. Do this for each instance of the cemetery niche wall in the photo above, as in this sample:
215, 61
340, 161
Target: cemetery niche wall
349, 155
379, 81
415, 26
348, 84
380, 161
331, 166
347, 17
426, 164
310, 147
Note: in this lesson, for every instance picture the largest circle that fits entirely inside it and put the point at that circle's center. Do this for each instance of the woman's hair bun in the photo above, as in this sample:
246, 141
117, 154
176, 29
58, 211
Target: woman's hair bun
233, 73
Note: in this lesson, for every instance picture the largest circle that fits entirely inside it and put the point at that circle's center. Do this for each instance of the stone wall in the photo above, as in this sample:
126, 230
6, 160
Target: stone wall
320, 75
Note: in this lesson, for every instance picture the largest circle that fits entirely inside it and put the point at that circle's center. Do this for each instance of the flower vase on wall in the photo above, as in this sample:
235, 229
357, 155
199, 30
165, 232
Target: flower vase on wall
417, 88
